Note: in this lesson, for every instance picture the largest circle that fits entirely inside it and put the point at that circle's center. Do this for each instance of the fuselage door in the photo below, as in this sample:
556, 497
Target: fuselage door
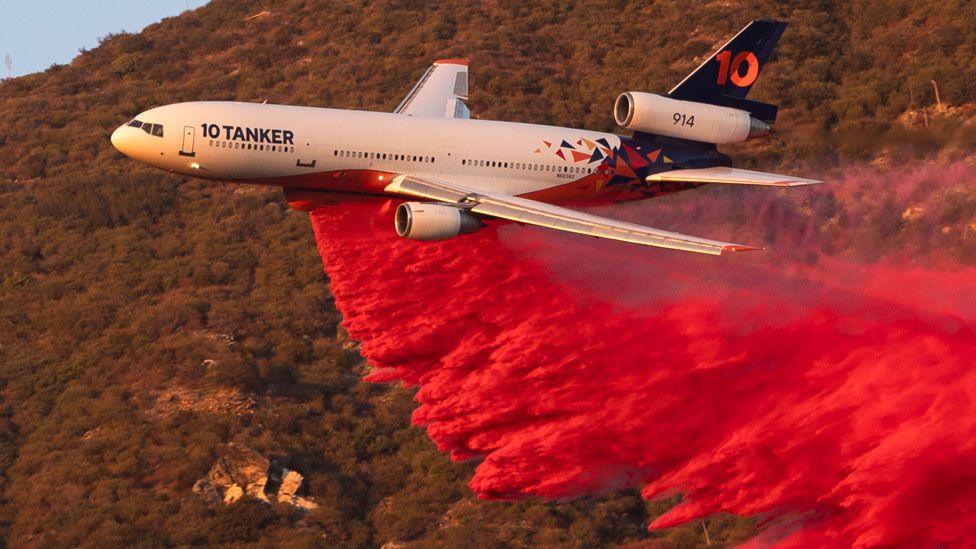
305, 148
189, 134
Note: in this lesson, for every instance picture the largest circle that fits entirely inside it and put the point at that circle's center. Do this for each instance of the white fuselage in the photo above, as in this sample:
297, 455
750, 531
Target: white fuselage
357, 151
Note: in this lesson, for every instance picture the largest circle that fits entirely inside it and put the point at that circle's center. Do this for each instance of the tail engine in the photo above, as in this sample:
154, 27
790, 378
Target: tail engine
658, 115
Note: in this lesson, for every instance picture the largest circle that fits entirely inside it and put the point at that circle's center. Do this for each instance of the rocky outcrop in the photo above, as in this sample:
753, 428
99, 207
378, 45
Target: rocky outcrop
222, 400
241, 471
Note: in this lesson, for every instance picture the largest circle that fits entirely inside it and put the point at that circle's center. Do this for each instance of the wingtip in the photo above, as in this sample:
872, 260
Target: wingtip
803, 182
456, 61
741, 248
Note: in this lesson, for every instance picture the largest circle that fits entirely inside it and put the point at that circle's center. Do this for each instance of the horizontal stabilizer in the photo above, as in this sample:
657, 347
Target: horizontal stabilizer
731, 176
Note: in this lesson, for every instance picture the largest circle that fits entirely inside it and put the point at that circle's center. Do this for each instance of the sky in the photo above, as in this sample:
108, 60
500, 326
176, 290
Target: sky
39, 33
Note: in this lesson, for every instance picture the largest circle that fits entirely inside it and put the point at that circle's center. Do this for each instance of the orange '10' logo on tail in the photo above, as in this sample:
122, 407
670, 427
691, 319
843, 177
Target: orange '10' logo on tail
731, 69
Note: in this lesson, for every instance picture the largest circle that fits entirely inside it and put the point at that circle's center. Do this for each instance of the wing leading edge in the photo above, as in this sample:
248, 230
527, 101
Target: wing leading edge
531, 212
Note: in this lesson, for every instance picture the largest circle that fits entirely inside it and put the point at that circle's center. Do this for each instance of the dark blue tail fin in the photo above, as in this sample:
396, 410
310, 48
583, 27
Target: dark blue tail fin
726, 77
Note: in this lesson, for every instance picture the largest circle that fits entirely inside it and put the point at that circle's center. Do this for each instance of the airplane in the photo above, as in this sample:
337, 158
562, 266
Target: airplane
454, 172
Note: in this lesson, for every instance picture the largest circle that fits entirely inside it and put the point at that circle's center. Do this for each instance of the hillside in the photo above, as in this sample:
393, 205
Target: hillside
147, 320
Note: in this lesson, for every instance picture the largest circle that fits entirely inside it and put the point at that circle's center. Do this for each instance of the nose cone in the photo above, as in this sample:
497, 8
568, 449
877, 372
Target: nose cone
121, 141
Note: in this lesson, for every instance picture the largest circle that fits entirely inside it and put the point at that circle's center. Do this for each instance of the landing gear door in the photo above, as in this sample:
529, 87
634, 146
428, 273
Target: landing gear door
189, 136
305, 149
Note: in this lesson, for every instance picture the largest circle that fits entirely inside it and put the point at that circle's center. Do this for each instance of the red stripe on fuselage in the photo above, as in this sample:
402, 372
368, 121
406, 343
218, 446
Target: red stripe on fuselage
339, 181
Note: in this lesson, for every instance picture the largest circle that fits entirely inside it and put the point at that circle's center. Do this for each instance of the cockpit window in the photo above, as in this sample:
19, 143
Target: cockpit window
148, 127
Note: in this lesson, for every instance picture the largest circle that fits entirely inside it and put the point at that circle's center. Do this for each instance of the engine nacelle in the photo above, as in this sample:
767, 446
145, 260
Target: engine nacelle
430, 222
650, 113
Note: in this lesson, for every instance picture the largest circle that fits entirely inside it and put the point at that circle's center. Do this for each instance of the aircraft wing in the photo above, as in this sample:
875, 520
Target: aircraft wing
731, 176
440, 92
532, 212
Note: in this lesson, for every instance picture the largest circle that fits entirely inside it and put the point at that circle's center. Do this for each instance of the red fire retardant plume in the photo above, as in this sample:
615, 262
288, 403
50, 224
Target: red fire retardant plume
834, 400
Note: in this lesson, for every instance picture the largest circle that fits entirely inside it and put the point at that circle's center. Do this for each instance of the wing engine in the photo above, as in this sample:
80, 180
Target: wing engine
430, 222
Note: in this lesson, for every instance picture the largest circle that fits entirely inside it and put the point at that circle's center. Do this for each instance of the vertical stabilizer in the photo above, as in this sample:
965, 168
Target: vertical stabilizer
728, 75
